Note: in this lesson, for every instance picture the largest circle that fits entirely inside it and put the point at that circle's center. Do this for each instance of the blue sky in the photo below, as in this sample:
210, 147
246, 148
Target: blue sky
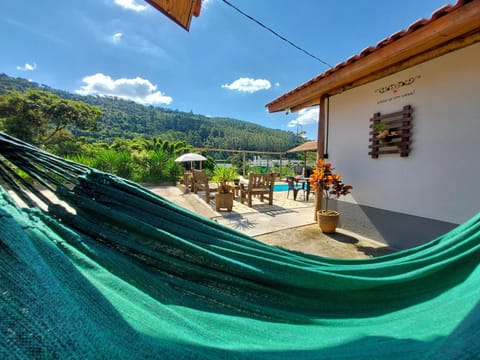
225, 66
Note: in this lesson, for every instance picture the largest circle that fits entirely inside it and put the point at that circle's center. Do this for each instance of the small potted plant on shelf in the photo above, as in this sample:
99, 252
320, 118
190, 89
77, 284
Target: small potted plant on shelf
384, 134
330, 184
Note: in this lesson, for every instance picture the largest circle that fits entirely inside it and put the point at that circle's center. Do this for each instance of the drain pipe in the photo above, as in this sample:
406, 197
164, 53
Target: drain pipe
327, 131
322, 120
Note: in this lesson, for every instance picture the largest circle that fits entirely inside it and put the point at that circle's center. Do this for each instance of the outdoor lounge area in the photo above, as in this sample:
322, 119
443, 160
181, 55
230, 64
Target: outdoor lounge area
97, 265
103, 255
287, 223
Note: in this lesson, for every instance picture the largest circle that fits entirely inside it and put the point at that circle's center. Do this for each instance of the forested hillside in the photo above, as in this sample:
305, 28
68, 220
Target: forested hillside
127, 119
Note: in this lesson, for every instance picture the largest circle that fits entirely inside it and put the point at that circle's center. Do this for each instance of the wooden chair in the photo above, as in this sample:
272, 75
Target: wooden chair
200, 183
187, 178
258, 185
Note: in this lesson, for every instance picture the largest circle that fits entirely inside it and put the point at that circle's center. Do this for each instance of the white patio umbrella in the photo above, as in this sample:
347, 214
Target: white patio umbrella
191, 157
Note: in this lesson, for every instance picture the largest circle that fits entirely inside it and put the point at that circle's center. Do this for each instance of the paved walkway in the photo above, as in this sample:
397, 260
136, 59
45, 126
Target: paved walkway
287, 223
260, 219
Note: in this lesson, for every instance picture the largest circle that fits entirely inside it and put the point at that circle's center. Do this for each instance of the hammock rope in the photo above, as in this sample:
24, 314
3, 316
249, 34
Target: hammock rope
95, 266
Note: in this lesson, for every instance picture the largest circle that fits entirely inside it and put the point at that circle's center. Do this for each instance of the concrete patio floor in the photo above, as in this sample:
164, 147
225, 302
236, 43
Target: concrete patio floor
287, 223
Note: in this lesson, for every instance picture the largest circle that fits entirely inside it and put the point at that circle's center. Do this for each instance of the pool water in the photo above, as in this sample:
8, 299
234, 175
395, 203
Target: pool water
280, 187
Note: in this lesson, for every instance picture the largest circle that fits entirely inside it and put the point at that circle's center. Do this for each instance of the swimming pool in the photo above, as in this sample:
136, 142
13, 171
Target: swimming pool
283, 187
280, 187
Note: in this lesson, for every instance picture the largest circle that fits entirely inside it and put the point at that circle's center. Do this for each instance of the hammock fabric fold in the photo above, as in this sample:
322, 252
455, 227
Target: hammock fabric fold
95, 266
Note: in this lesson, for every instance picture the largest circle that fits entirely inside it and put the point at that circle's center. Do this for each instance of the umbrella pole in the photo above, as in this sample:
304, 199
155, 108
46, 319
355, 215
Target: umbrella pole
305, 165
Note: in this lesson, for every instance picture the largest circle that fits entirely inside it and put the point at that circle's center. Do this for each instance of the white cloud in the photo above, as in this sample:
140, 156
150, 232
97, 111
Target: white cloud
248, 85
205, 4
135, 43
131, 5
137, 89
117, 37
305, 117
27, 67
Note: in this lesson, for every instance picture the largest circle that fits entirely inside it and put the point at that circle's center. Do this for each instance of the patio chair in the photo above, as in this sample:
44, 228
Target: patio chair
258, 185
200, 183
187, 178
306, 190
292, 186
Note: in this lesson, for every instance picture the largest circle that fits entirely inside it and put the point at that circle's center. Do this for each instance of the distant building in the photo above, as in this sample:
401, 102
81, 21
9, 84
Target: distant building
258, 161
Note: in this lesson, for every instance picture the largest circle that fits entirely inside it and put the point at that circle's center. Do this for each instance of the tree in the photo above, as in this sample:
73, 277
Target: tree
41, 117
129, 120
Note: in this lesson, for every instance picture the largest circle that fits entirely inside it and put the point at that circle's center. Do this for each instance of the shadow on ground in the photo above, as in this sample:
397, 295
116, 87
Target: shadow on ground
309, 239
368, 250
239, 222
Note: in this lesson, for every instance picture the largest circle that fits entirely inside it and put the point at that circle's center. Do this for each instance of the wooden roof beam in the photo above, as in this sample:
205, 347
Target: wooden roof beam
180, 11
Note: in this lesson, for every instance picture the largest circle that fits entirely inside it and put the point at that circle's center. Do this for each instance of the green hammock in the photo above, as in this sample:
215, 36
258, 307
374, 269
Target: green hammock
93, 266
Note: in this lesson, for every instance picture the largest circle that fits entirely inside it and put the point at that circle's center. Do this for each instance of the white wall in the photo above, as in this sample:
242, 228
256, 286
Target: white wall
440, 179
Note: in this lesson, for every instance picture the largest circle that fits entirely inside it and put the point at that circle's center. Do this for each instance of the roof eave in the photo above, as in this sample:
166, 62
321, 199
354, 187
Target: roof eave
180, 11
454, 30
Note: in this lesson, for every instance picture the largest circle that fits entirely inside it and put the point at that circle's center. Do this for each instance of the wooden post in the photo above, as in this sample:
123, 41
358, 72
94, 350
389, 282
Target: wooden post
244, 164
280, 170
322, 116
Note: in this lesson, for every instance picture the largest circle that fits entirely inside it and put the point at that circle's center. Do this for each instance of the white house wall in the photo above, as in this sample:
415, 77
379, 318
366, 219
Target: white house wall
440, 178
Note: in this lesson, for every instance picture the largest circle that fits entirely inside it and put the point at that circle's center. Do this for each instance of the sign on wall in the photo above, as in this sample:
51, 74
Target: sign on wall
397, 91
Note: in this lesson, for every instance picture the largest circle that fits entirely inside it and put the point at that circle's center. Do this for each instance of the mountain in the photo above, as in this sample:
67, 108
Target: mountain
127, 119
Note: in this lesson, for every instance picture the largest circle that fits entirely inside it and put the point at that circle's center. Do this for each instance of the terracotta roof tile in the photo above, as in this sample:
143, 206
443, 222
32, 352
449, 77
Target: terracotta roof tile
308, 146
367, 51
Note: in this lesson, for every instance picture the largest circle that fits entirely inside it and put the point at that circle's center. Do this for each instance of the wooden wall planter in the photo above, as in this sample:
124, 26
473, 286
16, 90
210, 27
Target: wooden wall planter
399, 127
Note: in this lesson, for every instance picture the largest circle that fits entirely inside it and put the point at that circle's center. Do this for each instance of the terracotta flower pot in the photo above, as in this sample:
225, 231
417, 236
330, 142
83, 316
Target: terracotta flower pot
327, 221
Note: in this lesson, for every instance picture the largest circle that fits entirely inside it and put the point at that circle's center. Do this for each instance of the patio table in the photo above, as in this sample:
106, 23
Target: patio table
306, 189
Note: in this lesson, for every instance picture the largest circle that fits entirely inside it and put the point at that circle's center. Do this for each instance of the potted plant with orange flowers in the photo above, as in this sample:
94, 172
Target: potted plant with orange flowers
331, 185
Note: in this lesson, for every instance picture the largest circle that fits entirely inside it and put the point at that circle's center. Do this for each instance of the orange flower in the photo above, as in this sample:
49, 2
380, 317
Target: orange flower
328, 182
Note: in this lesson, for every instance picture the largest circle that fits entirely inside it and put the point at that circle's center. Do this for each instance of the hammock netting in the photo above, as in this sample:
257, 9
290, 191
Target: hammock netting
93, 266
